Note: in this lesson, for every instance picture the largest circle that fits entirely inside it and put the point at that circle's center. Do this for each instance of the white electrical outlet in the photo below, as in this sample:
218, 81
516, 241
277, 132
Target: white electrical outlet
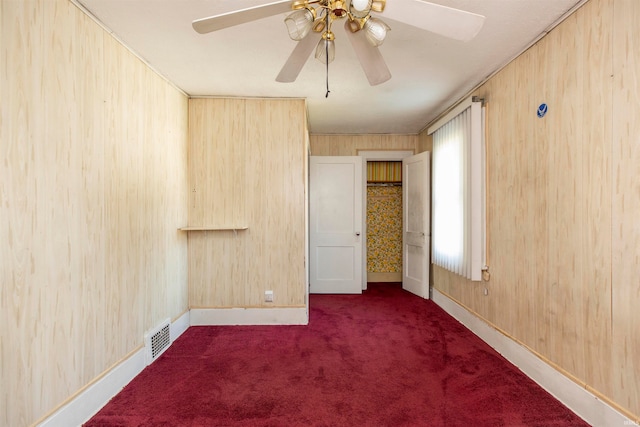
268, 296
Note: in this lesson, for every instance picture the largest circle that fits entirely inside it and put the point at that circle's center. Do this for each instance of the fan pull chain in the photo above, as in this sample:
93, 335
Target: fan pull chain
326, 52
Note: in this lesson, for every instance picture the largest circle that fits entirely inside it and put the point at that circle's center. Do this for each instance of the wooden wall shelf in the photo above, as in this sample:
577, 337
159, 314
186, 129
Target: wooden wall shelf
214, 228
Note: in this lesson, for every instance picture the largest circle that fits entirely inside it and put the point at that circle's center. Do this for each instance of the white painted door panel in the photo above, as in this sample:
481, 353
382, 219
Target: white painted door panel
416, 223
335, 224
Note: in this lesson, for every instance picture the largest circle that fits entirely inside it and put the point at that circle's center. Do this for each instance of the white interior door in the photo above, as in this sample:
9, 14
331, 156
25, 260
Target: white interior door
335, 225
416, 204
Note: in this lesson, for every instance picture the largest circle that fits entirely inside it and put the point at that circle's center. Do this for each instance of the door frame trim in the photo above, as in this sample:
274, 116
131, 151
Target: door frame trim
377, 155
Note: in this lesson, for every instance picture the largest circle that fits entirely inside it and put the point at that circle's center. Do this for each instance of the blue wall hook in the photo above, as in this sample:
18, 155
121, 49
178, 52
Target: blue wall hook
542, 110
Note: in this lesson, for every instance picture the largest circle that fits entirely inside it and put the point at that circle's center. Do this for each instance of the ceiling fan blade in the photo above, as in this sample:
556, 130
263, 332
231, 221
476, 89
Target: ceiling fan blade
298, 58
229, 19
369, 56
446, 21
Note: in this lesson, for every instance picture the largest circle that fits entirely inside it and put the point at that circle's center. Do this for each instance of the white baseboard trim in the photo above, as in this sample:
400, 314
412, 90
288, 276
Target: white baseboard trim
589, 407
249, 316
88, 402
180, 325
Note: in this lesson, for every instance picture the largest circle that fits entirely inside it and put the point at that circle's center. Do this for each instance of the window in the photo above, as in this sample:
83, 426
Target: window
458, 191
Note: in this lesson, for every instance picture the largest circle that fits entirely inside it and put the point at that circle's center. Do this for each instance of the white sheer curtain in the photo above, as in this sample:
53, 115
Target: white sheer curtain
458, 220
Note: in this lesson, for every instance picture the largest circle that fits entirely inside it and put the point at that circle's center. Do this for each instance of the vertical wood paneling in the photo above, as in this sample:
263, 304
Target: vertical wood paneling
502, 203
541, 234
562, 201
265, 172
165, 186
425, 142
217, 165
596, 124
564, 196
93, 187
89, 252
21, 132
172, 172
216, 161
293, 223
87, 187
511, 211
124, 189
263, 123
349, 145
626, 206
259, 159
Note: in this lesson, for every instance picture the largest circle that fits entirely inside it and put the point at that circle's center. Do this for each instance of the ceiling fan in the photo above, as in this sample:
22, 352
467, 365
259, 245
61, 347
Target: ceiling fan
311, 21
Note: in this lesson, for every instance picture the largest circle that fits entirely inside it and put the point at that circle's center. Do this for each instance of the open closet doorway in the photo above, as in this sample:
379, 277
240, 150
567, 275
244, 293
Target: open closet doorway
382, 215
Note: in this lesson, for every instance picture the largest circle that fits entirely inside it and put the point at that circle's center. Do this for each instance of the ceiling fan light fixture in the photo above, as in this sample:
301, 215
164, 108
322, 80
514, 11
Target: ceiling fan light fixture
378, 5
338, 9
299, 23
359, 8
354, 25
299, 4
376, 31
361, 5
319, 25
326, 48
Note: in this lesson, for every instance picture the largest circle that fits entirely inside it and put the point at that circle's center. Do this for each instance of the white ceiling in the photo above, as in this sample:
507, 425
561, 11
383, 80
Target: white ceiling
429, 72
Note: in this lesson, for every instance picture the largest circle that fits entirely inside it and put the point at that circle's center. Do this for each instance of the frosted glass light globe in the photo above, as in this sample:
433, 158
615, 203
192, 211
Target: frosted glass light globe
360, 5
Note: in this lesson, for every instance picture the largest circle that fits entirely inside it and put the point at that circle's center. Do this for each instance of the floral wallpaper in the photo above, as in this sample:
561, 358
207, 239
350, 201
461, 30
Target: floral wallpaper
384, 229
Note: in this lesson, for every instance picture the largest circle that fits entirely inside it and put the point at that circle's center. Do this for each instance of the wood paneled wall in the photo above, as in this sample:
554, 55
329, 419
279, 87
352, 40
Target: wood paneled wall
625, 198
350, 145
563, 202
425, 142
93, 186
247, 166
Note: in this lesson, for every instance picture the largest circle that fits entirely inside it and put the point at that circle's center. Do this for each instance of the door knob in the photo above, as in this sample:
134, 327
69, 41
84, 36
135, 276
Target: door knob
357, 233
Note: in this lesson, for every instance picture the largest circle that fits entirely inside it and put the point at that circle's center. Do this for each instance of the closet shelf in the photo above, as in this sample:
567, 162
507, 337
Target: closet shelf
214, 228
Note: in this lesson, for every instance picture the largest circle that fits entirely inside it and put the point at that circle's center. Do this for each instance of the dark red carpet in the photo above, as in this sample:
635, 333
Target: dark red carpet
384, 358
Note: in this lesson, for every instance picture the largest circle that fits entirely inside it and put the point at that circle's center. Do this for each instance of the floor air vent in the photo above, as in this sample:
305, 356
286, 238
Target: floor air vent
157, 340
